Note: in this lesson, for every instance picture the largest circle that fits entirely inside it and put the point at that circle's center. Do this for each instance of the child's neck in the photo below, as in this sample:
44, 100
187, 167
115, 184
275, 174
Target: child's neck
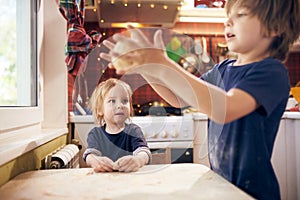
114, 128
243, 60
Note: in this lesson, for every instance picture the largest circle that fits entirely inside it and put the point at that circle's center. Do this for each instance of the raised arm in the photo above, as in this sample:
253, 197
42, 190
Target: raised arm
171, 81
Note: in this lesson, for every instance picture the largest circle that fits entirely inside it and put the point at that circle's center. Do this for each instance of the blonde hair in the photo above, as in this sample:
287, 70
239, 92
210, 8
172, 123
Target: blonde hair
97, 98
279, 16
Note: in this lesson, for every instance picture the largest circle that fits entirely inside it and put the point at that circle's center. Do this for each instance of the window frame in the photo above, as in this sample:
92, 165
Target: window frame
15, 117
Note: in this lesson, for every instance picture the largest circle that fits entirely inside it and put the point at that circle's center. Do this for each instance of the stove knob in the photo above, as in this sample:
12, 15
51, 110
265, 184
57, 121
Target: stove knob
145, 134
154, 135
175, 134
164, 134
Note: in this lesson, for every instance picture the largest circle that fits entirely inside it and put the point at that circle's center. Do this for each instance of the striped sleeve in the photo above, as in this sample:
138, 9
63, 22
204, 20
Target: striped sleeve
91, 151
146, 150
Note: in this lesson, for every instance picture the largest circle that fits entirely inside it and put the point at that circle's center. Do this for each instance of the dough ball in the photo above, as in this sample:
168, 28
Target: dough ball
121, 63
116, 166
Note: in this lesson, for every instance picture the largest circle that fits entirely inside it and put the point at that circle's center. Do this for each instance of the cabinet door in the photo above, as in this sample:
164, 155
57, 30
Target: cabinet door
292, 156
279, 159
286, 160
200, 143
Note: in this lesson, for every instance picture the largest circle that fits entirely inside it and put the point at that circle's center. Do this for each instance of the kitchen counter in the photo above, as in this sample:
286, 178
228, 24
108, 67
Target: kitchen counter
197, 116
173, 181
90, 118
291, 115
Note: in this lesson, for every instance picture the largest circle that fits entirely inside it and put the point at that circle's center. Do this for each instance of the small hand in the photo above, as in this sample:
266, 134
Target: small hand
102, 164
128, 53
128, 164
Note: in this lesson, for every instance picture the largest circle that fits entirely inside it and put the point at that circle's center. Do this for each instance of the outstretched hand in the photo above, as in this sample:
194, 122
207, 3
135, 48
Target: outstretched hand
130, 52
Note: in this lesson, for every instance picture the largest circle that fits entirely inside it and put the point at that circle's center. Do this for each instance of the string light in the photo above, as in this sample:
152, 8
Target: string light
124, 25
138, 3
125, 3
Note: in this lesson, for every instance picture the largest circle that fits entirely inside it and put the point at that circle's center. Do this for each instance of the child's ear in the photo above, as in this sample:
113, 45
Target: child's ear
100, 113
275, 32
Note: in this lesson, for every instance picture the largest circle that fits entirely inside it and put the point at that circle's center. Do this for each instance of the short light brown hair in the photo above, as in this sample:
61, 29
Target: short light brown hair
97, 98
279, 16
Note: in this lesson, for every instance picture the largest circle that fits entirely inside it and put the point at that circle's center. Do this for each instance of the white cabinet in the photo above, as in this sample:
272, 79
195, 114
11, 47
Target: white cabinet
200, 139
279, 159
293, 159
286, 159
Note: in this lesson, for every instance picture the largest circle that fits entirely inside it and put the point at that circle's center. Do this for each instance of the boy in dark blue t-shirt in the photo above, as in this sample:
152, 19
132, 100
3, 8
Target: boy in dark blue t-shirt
244, 98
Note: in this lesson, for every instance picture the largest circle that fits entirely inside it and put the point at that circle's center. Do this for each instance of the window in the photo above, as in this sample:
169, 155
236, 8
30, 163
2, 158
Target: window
19, 104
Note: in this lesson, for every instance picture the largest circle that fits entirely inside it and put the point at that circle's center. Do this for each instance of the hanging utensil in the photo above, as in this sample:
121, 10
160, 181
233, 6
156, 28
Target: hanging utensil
198, 51
198, 47
205, 58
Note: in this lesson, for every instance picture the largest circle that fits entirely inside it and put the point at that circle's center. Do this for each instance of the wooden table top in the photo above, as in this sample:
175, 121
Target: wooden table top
160, 182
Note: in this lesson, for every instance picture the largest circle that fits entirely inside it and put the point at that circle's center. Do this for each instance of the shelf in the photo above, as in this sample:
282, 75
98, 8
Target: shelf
202, 15
193, 15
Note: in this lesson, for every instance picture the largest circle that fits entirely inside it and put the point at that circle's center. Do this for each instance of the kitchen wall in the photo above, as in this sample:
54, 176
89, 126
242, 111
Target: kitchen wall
97, 71
293, 65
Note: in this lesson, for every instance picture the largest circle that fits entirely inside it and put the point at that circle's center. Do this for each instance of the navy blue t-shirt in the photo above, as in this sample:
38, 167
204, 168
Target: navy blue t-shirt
115, 146
241, 150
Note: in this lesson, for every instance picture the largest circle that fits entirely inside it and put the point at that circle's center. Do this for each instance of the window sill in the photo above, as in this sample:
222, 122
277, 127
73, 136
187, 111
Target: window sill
16, 143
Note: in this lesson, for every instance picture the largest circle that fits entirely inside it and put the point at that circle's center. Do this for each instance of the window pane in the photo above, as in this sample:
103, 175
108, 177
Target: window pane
18, 53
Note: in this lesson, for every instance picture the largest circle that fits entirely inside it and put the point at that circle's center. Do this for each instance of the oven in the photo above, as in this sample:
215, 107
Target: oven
171, 139
171, 135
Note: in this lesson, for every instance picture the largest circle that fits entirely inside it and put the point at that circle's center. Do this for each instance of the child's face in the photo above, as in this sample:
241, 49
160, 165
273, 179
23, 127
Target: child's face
244, 33
116, 106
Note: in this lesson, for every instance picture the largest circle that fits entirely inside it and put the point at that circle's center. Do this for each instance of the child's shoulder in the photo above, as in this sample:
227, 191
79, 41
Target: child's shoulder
132, 128
97, 129
269, 63
229, 62
257, 64
132, 125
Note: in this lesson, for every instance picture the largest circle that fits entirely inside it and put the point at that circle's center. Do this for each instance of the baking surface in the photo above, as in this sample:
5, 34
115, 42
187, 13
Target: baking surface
174, 181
